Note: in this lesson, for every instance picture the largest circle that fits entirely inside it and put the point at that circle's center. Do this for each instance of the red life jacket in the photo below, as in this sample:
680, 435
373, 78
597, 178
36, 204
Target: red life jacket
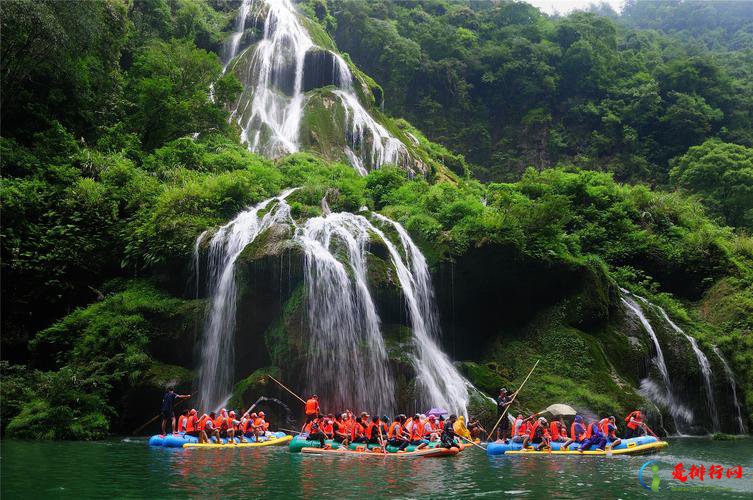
588, 431
372, 430
327, 427
229, 423
523, 429
182, 423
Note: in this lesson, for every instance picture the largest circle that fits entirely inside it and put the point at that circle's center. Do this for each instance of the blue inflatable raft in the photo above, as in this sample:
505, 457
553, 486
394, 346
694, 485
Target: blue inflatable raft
178, 440
632, 446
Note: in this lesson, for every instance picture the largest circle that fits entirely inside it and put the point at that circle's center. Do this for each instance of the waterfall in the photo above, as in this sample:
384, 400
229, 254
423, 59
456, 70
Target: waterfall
442, 384
703, 364
733, 385
682, 416
217, 346
347, 360
270, 109
231, 45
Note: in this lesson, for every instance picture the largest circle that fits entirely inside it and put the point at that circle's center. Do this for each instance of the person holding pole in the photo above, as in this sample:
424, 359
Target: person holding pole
168, 415
503, 401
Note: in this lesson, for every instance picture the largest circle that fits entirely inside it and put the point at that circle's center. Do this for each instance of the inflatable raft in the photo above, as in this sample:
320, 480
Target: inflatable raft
436, 451
300, 442
633, 446
275, 441
179, 440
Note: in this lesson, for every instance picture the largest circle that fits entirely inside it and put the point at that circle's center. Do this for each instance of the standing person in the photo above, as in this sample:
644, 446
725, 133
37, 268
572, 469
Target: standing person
503, 401
448, 433
168, 415
312, 408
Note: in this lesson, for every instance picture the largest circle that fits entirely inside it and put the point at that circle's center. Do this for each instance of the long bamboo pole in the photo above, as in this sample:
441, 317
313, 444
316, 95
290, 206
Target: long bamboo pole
515, 395
284, 387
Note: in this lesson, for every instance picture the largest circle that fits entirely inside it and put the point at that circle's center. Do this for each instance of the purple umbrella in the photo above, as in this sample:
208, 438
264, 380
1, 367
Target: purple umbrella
437, 412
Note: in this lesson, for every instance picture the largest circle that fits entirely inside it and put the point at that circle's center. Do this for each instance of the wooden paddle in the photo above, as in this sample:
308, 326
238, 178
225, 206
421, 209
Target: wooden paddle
515, 395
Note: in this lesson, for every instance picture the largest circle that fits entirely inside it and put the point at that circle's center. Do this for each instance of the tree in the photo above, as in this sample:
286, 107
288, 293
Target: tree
722, 175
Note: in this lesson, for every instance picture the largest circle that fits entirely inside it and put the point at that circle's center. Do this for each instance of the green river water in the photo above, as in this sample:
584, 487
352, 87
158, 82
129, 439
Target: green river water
121, 468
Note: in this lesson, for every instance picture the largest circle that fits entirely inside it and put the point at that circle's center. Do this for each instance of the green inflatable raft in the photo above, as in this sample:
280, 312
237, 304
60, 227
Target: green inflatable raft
298, 443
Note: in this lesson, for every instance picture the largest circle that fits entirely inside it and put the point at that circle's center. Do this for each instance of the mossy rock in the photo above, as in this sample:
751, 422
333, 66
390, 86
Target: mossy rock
482, 376
162, 375
248, 390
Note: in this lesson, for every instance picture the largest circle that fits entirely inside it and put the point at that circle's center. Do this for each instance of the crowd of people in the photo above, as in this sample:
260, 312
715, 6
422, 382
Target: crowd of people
399, 432
218, 425
538, 432
402, 430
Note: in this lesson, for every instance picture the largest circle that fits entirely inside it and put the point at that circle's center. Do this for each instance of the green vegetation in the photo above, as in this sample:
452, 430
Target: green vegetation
510, 87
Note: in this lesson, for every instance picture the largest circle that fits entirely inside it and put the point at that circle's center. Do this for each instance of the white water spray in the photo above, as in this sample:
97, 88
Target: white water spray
733, 385
217, 348
270, 109
682, 415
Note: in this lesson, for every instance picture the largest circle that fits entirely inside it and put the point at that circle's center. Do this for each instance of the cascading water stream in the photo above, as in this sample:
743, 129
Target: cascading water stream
733, 385
231, 45
217, 348
682, 416
347, 360
270, 110
441, 382
703, 364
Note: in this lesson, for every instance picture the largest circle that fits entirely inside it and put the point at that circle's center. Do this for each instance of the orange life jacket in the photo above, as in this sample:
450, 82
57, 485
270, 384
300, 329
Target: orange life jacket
229, 423
372, 430
203, 422
356, 431
312, 406
416, 431
394, 430
523, 429
191, 423
604, 426
182, 423
259, 423
218, 421
327, 427
554, 430
638, 419
580, 437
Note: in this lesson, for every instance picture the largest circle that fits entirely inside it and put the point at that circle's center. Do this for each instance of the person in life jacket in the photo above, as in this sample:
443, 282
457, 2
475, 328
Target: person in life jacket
358, 431
220, 423
448, 432
520, 429
610, 431
460, 428
634, 425
201, 426
538, 434
232, 429
396, 436
211, 429
372, 431
182, 421
416, 432
316, 434
328, 426
577, 432
249, 430
192, 424
594, 438
558, 431
312, 408
340, 428
260, 425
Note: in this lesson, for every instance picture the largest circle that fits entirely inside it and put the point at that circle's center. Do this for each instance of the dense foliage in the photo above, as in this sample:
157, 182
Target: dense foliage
511, 87
115, 158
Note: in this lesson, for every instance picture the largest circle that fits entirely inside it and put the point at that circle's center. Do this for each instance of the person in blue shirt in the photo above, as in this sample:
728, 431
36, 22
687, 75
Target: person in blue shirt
168, 415
597, 438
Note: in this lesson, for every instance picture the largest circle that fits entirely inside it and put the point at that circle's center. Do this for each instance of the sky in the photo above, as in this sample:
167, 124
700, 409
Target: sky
565, 6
